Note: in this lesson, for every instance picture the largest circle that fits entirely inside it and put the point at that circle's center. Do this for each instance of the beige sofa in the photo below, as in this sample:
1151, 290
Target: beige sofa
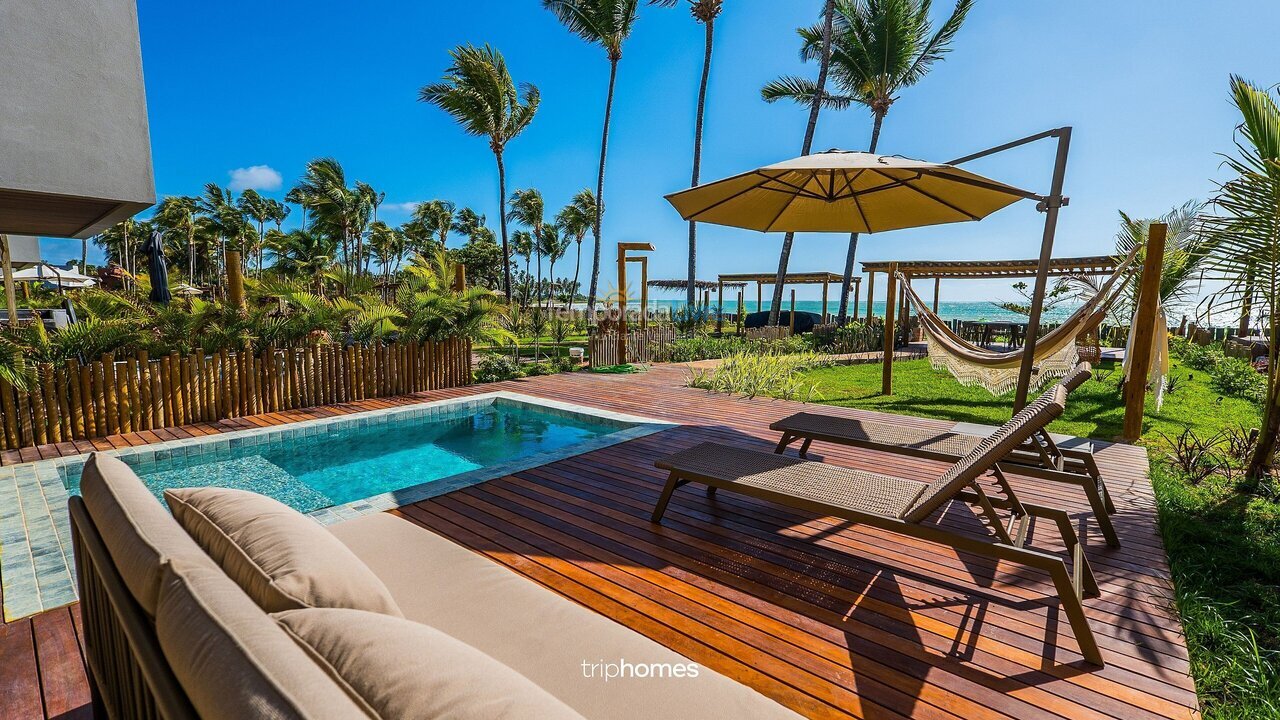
175, 625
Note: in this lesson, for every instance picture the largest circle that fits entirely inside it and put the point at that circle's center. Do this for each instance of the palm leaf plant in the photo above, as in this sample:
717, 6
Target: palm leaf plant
606, 23
436, 218
575, 220
478, 92
526, 208
1244, 233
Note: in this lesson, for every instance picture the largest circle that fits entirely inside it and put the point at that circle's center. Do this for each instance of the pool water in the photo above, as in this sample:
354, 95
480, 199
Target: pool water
354, 461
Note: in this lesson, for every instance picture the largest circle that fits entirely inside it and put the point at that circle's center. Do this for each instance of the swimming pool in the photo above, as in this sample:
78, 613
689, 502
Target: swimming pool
341, 467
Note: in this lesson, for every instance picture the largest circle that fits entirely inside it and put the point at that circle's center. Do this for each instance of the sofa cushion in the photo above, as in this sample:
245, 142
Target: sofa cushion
283, 559
549, 639
402, 669
232, 660
134, 526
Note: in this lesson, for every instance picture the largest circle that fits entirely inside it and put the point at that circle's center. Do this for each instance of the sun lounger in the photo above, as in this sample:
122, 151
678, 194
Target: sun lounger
1038, 457
901, 505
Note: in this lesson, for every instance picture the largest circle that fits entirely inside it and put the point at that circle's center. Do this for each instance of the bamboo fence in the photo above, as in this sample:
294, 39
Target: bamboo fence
649, 345
74, 401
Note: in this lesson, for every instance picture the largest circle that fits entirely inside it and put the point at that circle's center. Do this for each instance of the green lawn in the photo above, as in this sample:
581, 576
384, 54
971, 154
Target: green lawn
1222, 535
1095, 409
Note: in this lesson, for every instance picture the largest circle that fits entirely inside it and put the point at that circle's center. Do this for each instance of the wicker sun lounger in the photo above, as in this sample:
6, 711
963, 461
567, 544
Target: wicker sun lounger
901, 505
1038, 457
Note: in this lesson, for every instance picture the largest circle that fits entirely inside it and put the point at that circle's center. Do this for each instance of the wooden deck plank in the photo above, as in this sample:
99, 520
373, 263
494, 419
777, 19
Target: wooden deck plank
831, 620
19, 673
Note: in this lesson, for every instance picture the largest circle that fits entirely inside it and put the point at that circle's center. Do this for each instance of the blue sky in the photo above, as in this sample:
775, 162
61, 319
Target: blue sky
270, 85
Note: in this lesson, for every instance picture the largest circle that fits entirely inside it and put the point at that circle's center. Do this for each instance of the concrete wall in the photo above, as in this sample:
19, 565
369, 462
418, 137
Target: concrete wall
73, 114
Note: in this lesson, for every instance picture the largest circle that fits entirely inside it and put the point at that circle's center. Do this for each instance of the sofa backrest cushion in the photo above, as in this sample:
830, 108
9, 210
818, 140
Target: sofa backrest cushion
403, 669
137, 531
283, 559
232, 660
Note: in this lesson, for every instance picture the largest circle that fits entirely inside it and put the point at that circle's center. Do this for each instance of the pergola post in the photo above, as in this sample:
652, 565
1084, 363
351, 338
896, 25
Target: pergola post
906, 309
1144, 332
825, 287
791, 316
937, 287
871, 292
857, 296
741, 311
644, 293
886, 375
1050, 205
759, 296
720, 302
622, 304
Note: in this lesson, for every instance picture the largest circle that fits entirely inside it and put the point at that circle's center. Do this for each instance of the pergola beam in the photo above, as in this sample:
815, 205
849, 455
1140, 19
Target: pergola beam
994, 269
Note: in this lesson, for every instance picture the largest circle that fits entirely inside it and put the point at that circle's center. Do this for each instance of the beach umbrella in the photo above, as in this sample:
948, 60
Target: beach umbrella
842, 191
156, 269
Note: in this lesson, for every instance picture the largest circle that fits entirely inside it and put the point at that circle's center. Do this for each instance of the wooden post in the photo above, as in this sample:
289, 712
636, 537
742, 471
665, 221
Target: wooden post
644, 293
791, 315
741, 312
857, 297
871, 291
937, 287
1135, 386
720, 302
759, 296
906, 309
622, 305
459, 277
886, 375
235, 280
825, 288
10, 300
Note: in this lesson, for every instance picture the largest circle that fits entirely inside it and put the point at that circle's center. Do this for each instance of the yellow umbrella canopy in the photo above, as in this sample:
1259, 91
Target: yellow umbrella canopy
843, 191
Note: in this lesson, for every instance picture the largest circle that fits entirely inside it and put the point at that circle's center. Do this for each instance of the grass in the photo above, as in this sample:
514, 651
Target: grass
1095, 409
1223, 541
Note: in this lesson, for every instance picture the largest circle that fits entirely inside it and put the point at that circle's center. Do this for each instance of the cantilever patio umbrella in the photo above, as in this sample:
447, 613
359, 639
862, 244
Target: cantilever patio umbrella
840, 191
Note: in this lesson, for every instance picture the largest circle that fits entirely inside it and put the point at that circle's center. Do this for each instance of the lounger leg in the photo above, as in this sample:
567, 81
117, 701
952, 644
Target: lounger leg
1088, 584
661, 508
1101, 514
1074, 609
786, 440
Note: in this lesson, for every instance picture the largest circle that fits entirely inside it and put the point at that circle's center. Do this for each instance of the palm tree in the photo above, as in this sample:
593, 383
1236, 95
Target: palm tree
370, 199
388, 245
606, 23
224, 220
551, 246
257, 208
877, 48
121, 242
477, 91
576, 219
309, 254
789, 87
526, 207
177, 215
705, 12
1245, 232
436, 216
522, 244
336, 209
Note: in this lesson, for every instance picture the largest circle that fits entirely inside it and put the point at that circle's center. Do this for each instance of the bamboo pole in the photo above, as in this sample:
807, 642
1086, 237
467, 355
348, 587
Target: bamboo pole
39, 416
124, 407
53, 422
228, 383
871, 291
10, 415
166, 391
886, 374
175, 388
1135, 385
62, 391
136, 406
75, 408
158, 417
25, 422
109, 393
86, 401
144, 388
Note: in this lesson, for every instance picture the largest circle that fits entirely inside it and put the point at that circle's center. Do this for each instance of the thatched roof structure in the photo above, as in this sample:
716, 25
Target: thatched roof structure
684, 284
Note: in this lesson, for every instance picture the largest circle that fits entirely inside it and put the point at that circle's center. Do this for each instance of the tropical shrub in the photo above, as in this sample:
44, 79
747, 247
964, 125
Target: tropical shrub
748, 373
495, 367
1234, 376
1202, 357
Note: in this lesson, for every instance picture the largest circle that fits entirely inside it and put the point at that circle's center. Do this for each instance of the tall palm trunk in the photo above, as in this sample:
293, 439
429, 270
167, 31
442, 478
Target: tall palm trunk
852, 254
537, 282
191, 252
784, 257
528, 288
1259, 464
595, 226
502, 221
577, 268
691, 294
551, 283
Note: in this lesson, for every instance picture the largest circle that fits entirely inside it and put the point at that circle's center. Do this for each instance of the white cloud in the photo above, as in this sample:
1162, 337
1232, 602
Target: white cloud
258, 177
404, 207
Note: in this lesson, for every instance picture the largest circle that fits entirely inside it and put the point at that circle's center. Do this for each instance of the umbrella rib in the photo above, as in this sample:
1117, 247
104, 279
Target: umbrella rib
782, 209
935, 198
994, 187
799, 189
740, 193
858, 204
848, 183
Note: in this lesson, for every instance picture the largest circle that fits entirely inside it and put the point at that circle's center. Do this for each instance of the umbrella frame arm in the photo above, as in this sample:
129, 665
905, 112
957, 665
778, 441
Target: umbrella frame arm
1049, 205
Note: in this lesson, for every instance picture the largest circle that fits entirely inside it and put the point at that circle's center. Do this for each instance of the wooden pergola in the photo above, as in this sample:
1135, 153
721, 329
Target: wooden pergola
825, 279
939, 270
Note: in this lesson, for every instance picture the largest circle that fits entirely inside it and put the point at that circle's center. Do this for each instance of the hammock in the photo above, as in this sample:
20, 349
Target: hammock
997, 372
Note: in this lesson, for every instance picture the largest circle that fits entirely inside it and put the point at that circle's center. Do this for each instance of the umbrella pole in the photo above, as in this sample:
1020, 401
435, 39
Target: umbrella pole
1050, 205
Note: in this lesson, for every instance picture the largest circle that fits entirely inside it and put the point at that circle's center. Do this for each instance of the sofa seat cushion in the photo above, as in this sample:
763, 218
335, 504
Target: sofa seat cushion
549, 639
283, 559
138, 532
232, 660
403, 669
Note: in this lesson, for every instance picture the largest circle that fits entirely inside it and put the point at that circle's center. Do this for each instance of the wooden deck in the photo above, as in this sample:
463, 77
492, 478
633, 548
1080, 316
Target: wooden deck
829, 619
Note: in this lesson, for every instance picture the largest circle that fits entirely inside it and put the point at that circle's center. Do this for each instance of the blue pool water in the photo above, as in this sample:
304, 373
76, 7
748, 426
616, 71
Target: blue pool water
350, 461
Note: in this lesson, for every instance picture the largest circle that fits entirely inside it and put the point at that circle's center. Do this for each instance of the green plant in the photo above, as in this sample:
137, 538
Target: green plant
1202, 357
748, 373
495, 367
1234, 376
1195, 457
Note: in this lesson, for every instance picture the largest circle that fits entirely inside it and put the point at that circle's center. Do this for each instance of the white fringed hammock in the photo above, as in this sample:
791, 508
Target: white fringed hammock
997, 372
